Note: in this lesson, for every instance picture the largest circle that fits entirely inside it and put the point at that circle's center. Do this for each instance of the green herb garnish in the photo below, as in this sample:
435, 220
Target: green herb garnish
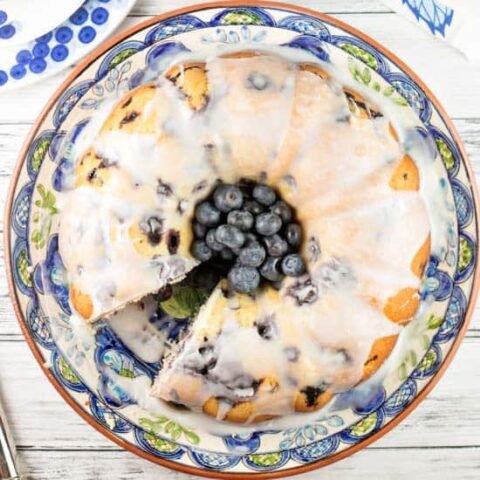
185, 301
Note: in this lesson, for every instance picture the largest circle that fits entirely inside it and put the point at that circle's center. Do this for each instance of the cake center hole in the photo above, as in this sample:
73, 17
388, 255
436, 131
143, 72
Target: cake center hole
249, 233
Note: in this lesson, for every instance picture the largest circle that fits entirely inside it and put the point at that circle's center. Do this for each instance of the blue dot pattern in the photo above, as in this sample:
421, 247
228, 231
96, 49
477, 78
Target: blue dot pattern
59, 45
63, 35
3, 77
23, 57
99, 16
79, 17
41, 50
38, 65
59, 53
87, 34
45, 38
7, 31
18, 71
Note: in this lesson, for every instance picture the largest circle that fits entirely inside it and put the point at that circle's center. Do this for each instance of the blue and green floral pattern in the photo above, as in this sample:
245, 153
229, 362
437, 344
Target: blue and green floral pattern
38, 273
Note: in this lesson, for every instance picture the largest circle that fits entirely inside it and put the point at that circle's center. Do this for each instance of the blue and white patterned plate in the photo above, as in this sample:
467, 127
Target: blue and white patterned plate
76, 368
26, 55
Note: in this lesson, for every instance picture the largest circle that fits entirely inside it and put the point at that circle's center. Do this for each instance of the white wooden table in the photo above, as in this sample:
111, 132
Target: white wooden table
441, 439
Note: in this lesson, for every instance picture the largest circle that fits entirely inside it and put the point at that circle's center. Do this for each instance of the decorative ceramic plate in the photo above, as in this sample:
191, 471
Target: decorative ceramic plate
26, 55
24, 20
37, 279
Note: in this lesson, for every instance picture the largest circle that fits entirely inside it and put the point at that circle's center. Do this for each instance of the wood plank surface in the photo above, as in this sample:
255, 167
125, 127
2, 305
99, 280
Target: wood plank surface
375, 464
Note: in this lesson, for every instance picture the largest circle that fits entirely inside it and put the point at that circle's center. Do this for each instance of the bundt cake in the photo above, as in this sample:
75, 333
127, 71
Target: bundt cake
331, 155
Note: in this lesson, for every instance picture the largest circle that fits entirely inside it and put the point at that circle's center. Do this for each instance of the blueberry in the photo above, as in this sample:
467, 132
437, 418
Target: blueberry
240, 219
212, 241
252, 255
268, 223
204, 361
281, 209
271, 269
199, 230
276, 246
153, 229
227, 197
230, 236
257, 81
292, 265
239, 382
207, 360
207, 214
292, 353
227, 254
244, 279
253, 207
264, 194
266, 328
201, 251
293, 234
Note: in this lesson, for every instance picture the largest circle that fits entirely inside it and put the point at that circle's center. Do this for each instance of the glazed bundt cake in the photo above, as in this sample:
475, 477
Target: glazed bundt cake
333, 157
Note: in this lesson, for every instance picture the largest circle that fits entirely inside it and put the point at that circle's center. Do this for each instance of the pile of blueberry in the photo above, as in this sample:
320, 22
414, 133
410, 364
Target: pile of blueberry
250, 230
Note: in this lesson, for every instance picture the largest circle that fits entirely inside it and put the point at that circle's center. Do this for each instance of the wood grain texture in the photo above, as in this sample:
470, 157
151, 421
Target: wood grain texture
154, 7
373, 463
439, 440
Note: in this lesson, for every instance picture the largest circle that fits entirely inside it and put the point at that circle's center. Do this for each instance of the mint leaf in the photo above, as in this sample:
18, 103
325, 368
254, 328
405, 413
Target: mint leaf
185, 301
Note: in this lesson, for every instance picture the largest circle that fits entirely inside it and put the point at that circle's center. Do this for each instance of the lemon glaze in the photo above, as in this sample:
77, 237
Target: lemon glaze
341, 319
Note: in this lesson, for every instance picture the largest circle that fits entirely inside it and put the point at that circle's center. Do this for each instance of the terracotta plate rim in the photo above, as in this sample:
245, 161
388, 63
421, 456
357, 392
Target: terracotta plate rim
36, 352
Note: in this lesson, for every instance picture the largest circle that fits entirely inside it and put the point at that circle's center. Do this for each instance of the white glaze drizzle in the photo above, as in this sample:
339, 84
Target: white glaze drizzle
225, 122
133, 326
